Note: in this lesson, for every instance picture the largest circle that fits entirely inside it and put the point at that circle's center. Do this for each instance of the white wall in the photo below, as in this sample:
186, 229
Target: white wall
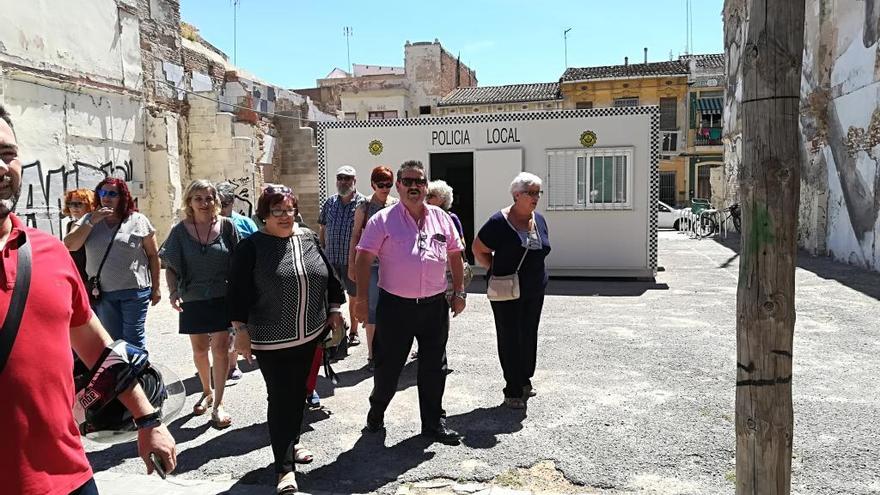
590, 242
91, 38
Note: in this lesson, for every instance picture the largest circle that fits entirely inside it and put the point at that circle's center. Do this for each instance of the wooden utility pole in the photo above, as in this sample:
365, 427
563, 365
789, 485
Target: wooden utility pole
770, 195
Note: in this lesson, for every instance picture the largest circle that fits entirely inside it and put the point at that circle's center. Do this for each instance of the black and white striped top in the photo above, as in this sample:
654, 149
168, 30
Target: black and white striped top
282, 289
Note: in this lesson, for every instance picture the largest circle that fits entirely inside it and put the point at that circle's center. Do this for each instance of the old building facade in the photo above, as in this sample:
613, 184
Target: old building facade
648, 83
705, 150
500, 99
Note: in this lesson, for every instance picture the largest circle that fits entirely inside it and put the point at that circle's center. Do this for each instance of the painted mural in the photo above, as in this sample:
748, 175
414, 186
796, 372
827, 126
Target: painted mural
840, 125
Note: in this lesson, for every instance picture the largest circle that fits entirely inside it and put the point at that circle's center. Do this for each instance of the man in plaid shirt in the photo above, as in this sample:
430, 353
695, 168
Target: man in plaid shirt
335, 225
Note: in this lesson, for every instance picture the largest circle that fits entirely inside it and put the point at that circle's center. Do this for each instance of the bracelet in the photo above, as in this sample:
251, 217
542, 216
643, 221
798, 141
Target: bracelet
149, 421
335, 310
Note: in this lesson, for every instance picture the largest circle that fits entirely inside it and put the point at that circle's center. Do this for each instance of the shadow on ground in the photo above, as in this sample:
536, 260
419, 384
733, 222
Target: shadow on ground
856, 278
583, 286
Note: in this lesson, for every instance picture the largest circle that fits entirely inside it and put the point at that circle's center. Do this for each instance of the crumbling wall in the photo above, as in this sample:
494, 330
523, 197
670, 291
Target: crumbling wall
296, 162
840, 125
735, 31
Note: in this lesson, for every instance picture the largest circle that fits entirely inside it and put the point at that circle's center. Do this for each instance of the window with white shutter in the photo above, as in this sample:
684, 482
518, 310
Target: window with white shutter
589, 179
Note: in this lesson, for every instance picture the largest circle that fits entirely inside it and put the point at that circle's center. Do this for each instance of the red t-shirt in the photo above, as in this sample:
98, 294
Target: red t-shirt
40, 448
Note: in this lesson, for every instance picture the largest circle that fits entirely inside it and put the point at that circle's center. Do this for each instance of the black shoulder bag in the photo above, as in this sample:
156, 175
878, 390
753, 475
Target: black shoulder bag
16, 302
94, 283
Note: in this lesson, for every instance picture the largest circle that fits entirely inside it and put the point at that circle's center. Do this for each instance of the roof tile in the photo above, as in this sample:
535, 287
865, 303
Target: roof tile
512, 93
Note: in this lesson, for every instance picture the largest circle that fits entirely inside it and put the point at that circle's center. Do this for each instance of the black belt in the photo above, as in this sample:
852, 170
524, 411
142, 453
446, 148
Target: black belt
418, 300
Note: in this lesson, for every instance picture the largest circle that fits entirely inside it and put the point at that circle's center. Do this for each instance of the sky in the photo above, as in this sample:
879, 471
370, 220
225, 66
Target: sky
292, 43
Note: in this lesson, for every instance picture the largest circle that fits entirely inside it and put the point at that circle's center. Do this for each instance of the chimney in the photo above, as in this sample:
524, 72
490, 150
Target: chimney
646, 54
626, 61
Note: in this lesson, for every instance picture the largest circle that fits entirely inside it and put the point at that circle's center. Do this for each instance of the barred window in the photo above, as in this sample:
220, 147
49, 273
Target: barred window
589, 179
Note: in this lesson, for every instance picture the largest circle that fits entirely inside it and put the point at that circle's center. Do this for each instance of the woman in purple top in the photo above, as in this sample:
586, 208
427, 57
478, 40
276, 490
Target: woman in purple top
515, 240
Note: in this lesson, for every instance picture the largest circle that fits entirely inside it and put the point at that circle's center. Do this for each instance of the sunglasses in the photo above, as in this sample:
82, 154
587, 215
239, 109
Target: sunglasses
534, 194
384, 185
344, 178
104, 193
277, 190
277, 213
75, 204
409, 182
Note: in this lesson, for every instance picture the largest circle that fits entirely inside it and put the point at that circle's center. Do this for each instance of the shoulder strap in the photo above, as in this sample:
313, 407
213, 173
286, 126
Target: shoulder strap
16, 303
107, 252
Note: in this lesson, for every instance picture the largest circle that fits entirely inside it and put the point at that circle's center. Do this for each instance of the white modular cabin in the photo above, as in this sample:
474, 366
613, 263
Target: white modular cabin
598, 166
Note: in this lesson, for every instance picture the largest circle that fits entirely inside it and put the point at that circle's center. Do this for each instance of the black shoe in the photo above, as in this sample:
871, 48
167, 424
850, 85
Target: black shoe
375, 423
442, 434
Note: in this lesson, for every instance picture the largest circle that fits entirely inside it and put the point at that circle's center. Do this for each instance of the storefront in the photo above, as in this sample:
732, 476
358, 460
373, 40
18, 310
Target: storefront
599, 168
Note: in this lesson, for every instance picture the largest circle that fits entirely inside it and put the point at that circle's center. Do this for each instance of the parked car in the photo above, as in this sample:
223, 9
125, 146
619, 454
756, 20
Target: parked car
667, 216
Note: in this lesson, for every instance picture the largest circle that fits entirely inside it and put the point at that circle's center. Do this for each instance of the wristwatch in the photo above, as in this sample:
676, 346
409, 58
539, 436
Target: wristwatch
460, 294
149, 421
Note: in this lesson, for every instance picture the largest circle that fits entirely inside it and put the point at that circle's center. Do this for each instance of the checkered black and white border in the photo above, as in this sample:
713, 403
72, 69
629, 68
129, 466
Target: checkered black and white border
652, 110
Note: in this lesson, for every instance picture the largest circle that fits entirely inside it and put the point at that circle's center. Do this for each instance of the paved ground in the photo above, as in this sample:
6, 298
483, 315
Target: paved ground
635, 395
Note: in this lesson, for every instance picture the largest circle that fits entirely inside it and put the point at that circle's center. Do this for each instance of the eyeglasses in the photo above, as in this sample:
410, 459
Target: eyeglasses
277, 190
409, 182
344, 178
74, 204
105, 193
277, 213
384, 185
534, 194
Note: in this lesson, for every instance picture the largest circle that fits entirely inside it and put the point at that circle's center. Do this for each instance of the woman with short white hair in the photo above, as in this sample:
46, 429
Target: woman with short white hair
515, 241
440, 194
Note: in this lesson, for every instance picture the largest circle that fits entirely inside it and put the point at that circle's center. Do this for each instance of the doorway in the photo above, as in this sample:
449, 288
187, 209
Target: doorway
457, 169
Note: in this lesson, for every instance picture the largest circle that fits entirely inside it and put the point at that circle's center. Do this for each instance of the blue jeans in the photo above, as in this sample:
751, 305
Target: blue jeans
123, 313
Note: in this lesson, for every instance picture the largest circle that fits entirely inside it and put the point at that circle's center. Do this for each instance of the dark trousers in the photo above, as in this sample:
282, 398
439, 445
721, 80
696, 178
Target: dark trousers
516, 326
285, 372
398, 321
90, 488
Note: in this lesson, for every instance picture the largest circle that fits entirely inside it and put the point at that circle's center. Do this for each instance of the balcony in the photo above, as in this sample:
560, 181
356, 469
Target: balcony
708, 136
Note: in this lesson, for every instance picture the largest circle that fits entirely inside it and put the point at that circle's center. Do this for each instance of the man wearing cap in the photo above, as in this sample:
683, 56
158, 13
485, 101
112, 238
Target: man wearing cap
414, 242
335, 225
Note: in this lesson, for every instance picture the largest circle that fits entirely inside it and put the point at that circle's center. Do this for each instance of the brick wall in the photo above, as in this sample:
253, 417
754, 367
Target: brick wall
296, 162
160, 44
449, 66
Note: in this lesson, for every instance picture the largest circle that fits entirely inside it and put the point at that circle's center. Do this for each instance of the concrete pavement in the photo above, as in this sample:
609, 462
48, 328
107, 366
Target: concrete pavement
635, 388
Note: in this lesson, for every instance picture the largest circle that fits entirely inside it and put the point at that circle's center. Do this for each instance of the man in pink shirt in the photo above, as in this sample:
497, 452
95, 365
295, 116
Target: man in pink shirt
414, 243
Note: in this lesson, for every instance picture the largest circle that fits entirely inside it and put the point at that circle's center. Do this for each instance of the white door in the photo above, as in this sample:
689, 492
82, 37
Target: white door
493, 172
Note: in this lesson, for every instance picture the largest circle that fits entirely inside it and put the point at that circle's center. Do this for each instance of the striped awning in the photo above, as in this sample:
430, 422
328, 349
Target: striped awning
710, 105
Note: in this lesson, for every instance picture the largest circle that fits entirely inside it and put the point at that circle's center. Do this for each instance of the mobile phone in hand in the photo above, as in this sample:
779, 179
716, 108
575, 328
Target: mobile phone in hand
157, 465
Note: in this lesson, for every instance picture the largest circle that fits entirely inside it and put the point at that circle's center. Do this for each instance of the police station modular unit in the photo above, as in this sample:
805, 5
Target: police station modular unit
599, 168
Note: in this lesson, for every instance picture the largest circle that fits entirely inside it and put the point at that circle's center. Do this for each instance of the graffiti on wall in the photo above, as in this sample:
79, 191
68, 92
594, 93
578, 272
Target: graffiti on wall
43, 190
244, 196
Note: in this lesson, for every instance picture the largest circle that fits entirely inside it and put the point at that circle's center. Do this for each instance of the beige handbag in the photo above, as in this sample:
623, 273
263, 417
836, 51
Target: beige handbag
506, 287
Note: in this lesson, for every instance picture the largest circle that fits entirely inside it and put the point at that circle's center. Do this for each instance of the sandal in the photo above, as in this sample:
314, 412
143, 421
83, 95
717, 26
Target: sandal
201, 407
287, 484
219, 418
354, 340
302, 455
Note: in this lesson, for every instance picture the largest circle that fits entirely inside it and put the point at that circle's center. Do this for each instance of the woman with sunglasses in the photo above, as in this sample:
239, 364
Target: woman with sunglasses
282, 296
382, 180
123, 256
515, 240
78, 202
197, 256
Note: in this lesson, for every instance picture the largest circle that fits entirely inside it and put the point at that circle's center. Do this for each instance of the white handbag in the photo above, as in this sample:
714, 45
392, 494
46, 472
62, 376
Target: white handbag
505, 287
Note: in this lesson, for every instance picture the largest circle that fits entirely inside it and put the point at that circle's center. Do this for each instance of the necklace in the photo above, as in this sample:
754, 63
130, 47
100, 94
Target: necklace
207, 236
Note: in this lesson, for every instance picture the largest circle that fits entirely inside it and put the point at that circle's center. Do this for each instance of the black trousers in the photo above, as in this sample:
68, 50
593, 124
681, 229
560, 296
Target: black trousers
89, 488
398, 321
516, 326
285, 372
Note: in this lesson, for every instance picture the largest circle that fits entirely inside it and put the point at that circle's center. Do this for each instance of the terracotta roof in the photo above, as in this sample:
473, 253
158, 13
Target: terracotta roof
706, 60
511, 93
671, 68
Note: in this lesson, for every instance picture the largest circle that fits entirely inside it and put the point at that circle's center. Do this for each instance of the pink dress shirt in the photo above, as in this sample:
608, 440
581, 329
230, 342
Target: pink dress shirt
412, 262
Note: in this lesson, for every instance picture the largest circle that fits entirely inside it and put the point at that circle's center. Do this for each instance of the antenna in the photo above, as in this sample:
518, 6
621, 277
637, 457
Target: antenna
565, 41
235, 31
347, 31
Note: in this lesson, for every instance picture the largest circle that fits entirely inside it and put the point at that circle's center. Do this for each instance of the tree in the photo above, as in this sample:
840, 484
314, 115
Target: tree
770, 195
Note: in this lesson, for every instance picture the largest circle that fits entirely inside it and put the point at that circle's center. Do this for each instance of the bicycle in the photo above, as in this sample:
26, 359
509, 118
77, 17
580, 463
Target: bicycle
712, 221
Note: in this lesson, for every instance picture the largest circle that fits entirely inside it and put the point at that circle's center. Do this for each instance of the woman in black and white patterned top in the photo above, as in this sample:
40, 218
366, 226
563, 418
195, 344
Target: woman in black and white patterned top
282, 295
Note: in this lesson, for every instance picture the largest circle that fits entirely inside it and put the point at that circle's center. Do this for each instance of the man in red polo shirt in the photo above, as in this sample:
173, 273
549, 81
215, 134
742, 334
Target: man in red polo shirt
41, 452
